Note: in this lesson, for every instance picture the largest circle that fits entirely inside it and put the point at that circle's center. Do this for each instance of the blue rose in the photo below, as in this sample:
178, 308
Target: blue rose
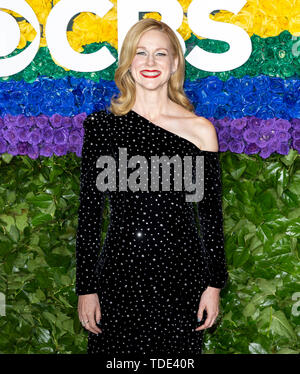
212, 86
262, 83
250, 97
276, 85
265, 112
232, 85
221, 111
250, 109
295, 110
247, 84
265, 97
205, 110
222, 98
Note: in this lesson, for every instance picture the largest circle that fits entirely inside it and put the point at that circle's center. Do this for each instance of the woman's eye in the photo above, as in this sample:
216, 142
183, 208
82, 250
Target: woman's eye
159, 53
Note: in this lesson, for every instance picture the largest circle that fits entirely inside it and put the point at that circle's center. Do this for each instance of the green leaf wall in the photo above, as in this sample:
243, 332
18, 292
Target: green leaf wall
260, 306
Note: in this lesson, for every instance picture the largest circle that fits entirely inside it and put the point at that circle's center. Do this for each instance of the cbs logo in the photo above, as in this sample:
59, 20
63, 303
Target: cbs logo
128, 14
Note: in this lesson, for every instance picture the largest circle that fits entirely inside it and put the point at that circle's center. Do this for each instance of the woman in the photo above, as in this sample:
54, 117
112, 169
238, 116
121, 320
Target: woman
155, 287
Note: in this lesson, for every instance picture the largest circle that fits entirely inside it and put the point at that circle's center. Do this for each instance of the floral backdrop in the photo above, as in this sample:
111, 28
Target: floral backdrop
256, 112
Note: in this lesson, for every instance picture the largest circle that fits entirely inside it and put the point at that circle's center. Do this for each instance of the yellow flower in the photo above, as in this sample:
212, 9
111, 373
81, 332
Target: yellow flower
263, 17
153, 15
92, 28
272, 26
184, 30
294, 22
223, 16
75, 41
22, 42
43, 42
185, 4
245, 20
277, 8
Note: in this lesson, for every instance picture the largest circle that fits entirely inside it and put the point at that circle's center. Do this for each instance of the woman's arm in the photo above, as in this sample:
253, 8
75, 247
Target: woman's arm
91, 203
211, 221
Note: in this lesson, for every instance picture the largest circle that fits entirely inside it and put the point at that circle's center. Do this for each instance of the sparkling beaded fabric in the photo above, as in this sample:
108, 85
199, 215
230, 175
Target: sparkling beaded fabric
154, 264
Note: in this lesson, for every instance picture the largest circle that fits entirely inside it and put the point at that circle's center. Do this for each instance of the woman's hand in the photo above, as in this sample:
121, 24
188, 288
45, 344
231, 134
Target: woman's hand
89, 310
209, 301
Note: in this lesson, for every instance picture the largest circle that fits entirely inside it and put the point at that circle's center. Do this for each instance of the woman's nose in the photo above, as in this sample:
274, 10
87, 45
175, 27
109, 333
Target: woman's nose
150, 60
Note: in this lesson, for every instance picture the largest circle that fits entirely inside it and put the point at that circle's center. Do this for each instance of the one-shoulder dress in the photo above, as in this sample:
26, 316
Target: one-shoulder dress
154, 263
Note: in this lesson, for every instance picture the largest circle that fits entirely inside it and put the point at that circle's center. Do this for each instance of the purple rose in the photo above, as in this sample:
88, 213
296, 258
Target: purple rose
223, 146
250, 136
33, 151
56, 120
296, 123
281, 124
42, 121
296, 134
283, 136
251, 148
23, 121
75, 137
47, 134
296, 144
283, 149
254, 123
75, 148
60, 149
12, 149
23, 134
224, 134
265, 136
9, 121
11, 136
239, 123
265, 152
46, 150
3, 146
236, 146
22, 148
35, 136
224, 122
236, 133
60, 137
269, 124
78, 120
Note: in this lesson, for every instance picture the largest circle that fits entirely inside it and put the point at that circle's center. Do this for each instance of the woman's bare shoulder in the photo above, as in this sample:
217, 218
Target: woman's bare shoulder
207, 134
203, 130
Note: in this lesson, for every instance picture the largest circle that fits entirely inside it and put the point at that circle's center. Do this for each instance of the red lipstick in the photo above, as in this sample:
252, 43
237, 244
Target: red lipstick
150, 71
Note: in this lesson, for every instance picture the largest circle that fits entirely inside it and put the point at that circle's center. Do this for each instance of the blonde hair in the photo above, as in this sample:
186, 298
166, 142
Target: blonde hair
124, 81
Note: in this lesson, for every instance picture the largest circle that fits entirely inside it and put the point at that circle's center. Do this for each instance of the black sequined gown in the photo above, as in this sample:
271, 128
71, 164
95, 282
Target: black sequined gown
154, 265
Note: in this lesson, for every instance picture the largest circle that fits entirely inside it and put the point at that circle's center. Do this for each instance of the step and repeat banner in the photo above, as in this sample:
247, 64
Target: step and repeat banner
58, 60
57, 64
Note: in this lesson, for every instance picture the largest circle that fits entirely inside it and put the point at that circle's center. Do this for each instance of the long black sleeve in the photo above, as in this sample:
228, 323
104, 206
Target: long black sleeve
91, 203
211, 221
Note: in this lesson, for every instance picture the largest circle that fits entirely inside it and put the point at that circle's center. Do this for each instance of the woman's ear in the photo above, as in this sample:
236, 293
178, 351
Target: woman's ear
175, 65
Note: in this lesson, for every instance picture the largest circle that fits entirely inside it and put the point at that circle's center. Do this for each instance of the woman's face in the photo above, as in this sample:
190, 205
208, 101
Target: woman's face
153, 53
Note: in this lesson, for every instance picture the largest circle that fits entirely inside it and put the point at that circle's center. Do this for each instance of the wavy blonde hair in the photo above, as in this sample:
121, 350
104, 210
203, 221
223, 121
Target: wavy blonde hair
121, 104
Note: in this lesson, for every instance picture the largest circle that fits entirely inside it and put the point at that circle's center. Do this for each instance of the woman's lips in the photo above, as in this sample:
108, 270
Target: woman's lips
144, 73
